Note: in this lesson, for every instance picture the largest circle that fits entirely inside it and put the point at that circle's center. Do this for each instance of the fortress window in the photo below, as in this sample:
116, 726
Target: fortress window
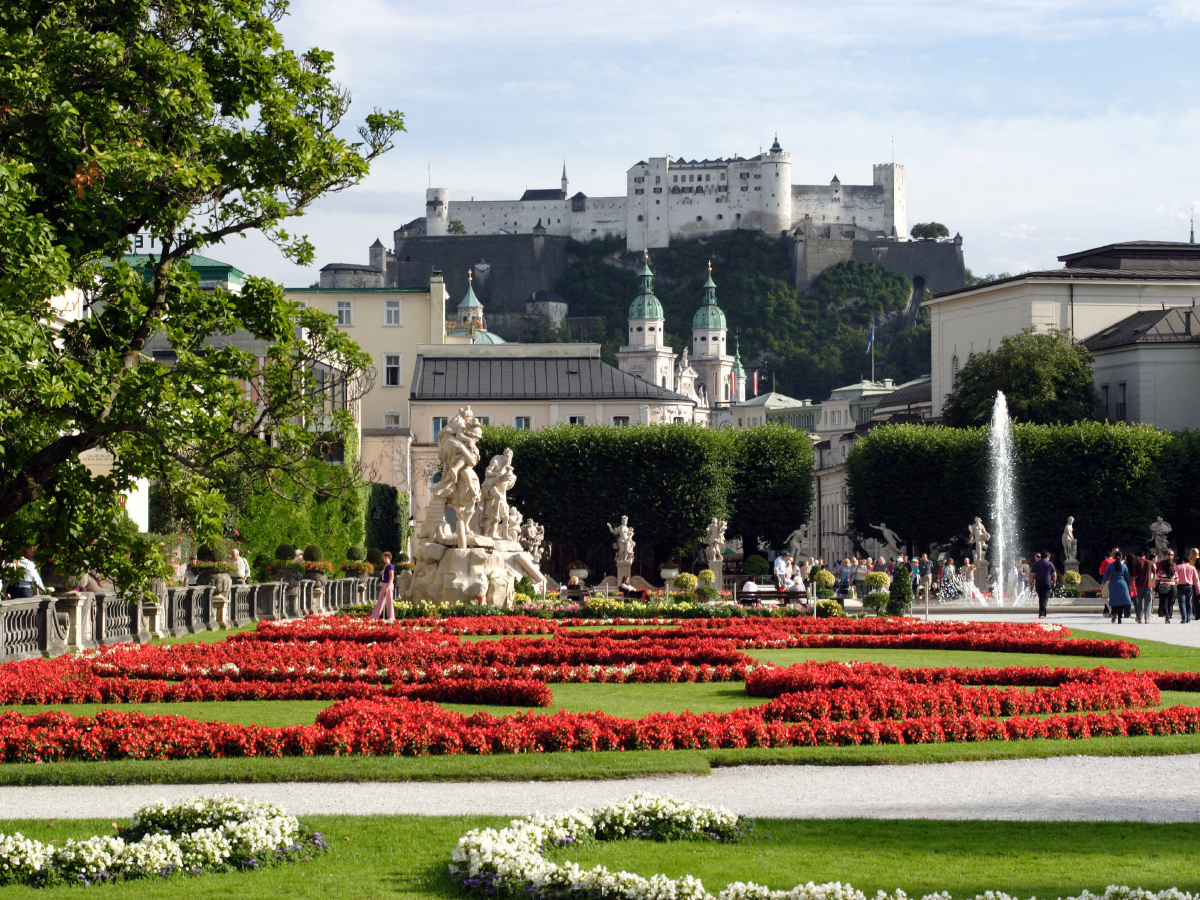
708, 178
640, 218
719, 216
744, 188
676, 177
658, 191
744, 175
699, 218
757, 175
722, 176
657, 179
737, 215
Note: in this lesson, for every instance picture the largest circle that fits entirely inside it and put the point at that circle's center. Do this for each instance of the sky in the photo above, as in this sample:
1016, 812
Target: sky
1034, 128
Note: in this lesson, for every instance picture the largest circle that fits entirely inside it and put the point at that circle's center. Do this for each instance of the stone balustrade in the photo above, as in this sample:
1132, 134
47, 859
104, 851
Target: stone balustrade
48, 626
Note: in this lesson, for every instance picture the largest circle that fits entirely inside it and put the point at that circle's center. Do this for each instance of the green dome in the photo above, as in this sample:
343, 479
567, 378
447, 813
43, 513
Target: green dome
645, 305
486, 337
709, 315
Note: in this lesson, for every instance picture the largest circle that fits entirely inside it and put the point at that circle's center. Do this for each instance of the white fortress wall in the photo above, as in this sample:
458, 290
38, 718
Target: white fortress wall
601, 217
512, 216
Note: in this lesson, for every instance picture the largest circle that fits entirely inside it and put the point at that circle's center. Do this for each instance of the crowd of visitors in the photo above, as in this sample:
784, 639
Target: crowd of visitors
1147, 582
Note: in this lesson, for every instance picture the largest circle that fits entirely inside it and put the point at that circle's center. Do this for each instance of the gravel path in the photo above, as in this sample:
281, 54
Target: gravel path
1156, 630
1064, 788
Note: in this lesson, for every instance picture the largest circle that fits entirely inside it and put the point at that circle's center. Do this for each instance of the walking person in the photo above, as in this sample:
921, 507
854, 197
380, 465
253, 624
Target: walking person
925, 570
1164, 573
1042, 577
23, 587
1187, 580
387, 589
1118, 579
1194, 562
1143, 575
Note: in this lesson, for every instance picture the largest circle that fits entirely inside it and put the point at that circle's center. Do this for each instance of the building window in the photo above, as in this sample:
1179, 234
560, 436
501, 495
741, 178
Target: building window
524, 423
391, 312
391, 420
439, 422
344, 316
391, 370
1121, 402
953, 369
577, 420
678, 420
484, 420
1104, 400
726, 392
621, 421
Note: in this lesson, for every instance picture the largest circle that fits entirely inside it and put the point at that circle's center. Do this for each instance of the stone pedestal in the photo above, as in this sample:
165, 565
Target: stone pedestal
982, 576
1071, 565
220, 612
78, 608
361, 593
624, 570
155, 619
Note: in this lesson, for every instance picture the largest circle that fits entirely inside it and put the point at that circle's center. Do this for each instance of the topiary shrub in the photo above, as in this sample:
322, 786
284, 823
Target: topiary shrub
876, 600
285, 552
829, 609
375, 557
403, 557
312, 553
1070, 577
900, 595
523, 585
823, 579
756, 565
706, 593
876, 581
355, 554
685, 581
706, 576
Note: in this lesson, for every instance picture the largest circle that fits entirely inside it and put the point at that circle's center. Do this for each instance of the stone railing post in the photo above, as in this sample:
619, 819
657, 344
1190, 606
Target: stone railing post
220, 612
154, 613
79, 609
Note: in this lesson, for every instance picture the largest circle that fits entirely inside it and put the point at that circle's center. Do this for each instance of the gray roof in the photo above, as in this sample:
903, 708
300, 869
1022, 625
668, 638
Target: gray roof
553, 194
349, 267
913, 394
1082, 274
518, 378
1175, 325
1133, 250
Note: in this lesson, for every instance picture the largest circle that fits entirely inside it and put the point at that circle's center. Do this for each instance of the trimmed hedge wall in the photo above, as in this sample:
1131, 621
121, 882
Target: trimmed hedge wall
669, 479
928, 483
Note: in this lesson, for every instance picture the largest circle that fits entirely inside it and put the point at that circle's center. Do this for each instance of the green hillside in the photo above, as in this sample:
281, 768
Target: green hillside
811, 343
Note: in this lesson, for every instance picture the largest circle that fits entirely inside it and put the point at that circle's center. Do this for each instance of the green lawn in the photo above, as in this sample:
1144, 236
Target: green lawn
407, 856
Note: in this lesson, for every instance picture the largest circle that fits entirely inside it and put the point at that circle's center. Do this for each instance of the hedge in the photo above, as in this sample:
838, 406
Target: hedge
670, 480
928, 482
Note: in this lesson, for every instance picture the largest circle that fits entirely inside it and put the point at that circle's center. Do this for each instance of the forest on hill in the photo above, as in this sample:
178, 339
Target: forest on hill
809, 343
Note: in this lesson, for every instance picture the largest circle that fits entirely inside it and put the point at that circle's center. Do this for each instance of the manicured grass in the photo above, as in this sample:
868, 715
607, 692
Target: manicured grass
407, 857
965, 858
204, 637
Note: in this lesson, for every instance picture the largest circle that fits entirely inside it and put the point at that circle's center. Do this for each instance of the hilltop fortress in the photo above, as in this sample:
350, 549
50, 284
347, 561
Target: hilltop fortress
667, 199
517, 249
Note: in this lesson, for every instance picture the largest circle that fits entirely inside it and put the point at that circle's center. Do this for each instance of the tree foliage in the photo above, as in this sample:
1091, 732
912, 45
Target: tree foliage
929, 231
810, 344
192, 123
772, 482
928, 482
1046, 378
869, 287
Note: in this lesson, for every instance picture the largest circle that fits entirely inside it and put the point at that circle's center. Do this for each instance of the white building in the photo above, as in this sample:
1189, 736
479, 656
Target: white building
1094, 291
668, 198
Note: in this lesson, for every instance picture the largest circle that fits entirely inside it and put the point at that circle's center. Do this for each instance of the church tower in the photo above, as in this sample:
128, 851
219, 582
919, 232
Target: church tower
710, 355
738, 377
565, 183
644, 355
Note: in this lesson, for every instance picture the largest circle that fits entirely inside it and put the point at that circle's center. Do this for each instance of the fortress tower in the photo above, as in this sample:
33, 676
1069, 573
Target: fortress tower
775, 199
644, 355
710, 357
437, 212
890, 176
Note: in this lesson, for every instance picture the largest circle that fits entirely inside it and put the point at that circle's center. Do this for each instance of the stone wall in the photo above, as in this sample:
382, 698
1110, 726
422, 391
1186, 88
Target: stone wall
940, 263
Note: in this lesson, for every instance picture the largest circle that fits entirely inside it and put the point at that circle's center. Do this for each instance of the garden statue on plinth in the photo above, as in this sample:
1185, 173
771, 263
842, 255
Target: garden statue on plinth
624, 547
890, 537
714, 544
1070, 546
979, 536
797, 542
1160, 530
468, 565
532, 536
499, 478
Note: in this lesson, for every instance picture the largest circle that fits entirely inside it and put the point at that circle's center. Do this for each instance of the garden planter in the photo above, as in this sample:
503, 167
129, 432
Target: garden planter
581, 574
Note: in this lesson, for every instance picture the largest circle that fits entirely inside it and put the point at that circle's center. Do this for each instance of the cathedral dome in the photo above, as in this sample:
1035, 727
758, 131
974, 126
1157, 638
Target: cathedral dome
645, 305
709, 315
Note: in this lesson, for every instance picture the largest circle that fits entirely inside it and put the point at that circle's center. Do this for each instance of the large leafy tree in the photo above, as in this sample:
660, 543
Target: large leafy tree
191, 121
1046, 378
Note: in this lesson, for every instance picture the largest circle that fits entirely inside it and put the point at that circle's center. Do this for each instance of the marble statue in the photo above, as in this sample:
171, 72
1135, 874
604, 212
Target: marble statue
513, 526
979, 538
797, 542
1070, 545
458, 453
497, 482
714, 543
1160, 530
624, 545
532, 535
890, 537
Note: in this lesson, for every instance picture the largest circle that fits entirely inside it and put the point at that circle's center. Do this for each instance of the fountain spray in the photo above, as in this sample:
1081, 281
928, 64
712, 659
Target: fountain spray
1004, 504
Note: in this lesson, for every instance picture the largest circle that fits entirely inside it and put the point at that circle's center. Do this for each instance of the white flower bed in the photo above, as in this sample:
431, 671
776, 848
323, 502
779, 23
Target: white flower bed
511, 861
203, 834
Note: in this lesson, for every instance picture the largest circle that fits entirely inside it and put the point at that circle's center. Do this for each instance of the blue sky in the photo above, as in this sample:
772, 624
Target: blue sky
1034, 128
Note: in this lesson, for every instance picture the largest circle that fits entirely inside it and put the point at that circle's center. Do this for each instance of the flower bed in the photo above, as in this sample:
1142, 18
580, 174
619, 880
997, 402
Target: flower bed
214, 834
512, 861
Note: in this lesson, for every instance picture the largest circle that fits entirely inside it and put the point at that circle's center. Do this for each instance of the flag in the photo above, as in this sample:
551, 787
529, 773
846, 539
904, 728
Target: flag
871, 342
756, 382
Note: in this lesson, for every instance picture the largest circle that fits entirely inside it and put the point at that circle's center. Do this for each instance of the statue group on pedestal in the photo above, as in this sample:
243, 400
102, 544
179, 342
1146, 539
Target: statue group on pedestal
624, 545
714, 543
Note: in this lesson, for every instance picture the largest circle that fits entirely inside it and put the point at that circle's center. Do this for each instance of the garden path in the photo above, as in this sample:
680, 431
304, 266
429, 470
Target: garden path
1156, 630
1064, 788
